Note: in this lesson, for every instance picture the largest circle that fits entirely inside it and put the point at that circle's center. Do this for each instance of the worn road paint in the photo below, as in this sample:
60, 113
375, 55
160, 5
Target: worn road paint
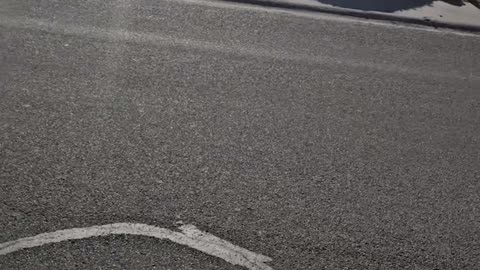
190, 236
158, 39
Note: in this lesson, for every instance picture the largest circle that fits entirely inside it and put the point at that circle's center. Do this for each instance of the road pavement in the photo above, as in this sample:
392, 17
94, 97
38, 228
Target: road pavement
453, 14
320, 141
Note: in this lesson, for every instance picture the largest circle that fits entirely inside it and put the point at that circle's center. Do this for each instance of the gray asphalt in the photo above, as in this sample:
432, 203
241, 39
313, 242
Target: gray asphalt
321, 142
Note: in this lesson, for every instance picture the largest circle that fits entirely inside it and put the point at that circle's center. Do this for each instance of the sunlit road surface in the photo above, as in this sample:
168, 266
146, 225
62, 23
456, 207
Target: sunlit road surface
318, 141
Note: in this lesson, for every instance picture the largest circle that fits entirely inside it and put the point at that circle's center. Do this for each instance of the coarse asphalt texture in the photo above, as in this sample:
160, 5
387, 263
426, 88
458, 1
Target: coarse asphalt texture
319, 141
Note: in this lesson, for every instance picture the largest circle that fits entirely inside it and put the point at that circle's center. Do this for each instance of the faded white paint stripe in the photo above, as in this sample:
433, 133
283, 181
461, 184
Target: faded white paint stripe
190, 236
118, 35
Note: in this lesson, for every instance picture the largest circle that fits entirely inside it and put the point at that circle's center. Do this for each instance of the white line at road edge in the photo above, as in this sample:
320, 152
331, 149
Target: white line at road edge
190, 236
118, 35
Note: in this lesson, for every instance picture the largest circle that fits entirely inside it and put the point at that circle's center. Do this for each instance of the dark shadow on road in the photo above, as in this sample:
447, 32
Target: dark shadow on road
384, 5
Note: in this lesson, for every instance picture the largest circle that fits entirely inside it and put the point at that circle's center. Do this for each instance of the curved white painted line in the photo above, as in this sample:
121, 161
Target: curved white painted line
190, 236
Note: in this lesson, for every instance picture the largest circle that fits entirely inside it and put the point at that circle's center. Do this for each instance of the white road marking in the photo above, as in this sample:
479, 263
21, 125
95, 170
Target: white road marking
190, 236
157, 39
323, 16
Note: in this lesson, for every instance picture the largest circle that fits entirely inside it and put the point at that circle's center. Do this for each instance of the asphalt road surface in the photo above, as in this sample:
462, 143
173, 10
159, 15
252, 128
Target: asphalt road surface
319, 141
